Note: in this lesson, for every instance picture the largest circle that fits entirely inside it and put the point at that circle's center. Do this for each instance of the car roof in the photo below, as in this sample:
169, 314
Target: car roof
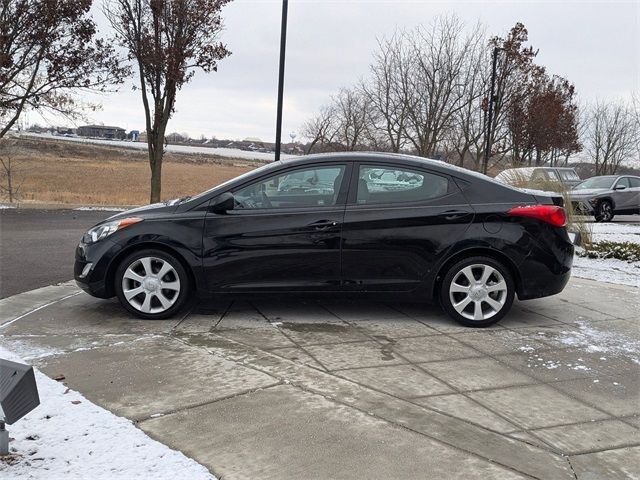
363, 156
390, 158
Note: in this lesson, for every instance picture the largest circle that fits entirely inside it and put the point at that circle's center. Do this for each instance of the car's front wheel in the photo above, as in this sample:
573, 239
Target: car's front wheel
604, 211
152, 284
477, 291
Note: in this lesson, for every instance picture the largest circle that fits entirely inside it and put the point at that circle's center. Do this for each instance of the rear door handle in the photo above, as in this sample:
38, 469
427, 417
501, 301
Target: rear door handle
323, 225
455, 214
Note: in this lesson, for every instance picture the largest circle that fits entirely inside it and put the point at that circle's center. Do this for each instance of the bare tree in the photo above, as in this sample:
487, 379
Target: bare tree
168, 40
351, 116
320, 129
611, 135
437, 85
11, 173
49, 51
466, 137
390, 71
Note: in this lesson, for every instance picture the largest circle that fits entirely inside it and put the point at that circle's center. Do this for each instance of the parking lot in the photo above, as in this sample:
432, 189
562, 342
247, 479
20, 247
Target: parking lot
307, 388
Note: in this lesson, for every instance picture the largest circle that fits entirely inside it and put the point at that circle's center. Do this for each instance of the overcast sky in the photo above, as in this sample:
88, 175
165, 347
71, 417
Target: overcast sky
594, 44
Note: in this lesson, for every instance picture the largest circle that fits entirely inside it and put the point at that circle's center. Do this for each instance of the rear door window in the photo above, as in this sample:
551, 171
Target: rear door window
382, 184
635, 182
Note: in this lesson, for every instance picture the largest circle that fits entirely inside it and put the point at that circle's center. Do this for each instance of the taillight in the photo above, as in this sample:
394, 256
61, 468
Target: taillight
551, 214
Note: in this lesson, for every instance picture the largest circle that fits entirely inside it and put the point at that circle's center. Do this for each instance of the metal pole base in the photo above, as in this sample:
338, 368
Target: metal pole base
4, 441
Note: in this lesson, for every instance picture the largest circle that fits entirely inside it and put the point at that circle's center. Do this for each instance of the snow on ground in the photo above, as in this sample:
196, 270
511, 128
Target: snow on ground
594, 340
609, 270
101, 209
599, 345
615, 232
223, 152
69, 437
6, 207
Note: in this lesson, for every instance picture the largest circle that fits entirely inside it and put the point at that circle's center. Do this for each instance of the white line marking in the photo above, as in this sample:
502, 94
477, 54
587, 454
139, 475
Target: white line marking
39, 308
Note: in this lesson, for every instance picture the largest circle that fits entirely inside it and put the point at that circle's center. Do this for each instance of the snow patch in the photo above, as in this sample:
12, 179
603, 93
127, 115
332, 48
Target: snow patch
100, 209
221, 152
6, 207
594, 340
609, 270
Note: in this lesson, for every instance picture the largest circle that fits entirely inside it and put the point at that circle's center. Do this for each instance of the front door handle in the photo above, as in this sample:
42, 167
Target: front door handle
323, 225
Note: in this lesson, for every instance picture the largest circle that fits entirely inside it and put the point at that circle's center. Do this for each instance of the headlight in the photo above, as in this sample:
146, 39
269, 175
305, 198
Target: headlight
103, 230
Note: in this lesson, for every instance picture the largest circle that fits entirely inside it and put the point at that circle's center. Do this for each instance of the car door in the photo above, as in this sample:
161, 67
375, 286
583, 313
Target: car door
623, 195
282, 234
635, 188
398, 223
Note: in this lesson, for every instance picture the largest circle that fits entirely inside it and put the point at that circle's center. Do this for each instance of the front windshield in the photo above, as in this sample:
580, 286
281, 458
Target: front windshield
596, 182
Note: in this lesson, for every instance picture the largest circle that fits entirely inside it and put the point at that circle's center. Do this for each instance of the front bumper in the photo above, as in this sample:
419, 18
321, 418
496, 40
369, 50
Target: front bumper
91, 268
582, 207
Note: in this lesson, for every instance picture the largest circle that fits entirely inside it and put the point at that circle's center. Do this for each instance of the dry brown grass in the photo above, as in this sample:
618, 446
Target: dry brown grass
62, 172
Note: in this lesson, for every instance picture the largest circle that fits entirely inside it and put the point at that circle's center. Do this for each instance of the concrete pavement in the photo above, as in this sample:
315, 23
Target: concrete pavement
353, 389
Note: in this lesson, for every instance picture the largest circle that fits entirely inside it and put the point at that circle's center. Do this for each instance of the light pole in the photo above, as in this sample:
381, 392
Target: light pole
283, 44
487, 150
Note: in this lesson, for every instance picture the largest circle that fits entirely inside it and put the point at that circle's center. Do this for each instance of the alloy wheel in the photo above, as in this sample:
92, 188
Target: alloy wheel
151, 285
478, 292
606, 212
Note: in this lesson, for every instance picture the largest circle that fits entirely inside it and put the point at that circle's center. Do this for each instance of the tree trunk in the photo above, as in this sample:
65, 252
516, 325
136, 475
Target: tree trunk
156, 178
9, 182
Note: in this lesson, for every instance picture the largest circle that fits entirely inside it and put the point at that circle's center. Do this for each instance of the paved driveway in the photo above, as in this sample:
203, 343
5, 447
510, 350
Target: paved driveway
37, 247
346, 389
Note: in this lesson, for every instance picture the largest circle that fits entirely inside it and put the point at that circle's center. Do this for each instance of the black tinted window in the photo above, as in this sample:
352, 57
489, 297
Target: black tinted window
377, 184
305, 187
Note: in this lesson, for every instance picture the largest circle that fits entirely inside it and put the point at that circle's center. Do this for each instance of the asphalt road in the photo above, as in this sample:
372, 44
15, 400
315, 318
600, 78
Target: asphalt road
37, 246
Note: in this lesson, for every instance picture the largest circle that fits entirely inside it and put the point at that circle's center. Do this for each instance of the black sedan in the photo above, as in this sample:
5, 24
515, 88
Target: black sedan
354, 223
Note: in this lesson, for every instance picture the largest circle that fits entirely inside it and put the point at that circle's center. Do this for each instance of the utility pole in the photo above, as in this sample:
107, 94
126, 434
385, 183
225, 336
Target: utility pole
283, 44
487, 150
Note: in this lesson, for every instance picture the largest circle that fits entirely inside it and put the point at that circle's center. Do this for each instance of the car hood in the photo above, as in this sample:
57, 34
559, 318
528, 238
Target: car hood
147, 211
587, 192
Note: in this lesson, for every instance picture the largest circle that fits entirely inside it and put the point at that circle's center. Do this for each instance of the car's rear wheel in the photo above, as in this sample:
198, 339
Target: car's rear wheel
152, 284
604, 211
477, 291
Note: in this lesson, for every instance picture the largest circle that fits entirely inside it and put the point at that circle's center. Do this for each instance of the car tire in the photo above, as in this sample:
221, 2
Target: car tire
152, 284
604, 211
477, 282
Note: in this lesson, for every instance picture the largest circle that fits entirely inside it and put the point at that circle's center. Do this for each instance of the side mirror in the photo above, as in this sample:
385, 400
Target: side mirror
620, 187
223, 203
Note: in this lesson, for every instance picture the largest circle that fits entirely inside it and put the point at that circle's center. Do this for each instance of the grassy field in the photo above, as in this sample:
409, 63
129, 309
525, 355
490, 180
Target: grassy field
55, 171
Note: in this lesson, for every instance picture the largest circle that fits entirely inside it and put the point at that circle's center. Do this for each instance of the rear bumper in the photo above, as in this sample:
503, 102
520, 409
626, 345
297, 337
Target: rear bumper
544, 286
547, 268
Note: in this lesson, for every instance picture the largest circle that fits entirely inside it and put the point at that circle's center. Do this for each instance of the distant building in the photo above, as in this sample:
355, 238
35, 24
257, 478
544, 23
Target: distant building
102, 131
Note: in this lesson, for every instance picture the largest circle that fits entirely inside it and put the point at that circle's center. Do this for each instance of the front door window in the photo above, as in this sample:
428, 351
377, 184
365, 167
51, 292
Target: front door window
306, 187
